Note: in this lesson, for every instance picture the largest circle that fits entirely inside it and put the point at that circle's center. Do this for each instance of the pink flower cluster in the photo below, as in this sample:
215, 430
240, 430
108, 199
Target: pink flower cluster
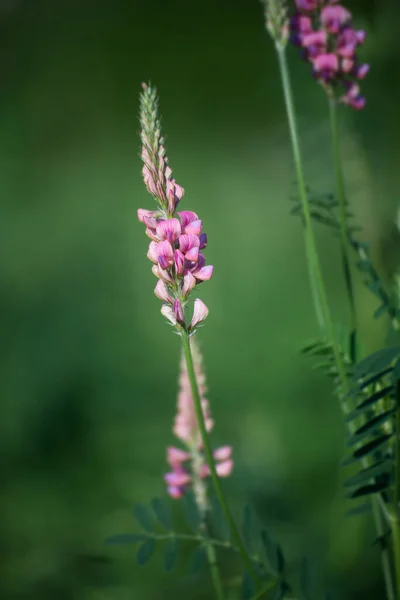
188, 466
323, 29
176, 237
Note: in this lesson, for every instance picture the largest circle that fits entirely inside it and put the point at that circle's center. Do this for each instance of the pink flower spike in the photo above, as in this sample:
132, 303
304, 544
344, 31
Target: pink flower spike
194, 227
179, 262
200, 313
175, 492
224, 469
204, 274
177, 479
168, 313
176, 455
161, 291
189, 281
165, 254
178, 311
223, 453
169, 230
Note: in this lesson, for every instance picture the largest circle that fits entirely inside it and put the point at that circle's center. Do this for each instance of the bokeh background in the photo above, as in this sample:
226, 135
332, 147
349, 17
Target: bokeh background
88, 376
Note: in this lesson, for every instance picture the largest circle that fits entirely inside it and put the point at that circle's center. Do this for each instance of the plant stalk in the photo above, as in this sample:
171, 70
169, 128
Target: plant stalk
320, 297
317, 283
341, 198
210, 461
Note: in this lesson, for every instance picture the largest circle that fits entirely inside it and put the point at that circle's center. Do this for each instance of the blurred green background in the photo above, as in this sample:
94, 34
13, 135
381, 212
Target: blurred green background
88, 367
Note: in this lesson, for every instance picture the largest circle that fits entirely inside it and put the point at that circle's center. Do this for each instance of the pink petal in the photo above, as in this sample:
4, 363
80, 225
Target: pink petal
175, 492
161, 291
178, 311
179, 262
203, 240
186, 217
177, 479
165, 254
168, 313
188, 241
194, 227
222, 453
142, 212
192, 254
152, 252
204, 274
200, 313
224, 469
189, 281
176, 455
169, 230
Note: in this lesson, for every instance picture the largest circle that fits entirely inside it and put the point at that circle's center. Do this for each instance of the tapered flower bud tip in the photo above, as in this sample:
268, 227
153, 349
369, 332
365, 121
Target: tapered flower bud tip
200, 313
224, 469
145, 87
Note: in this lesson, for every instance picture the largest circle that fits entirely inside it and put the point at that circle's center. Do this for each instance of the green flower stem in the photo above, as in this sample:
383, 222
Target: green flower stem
317, 284
341, 198
320, 299
212, 562
210, 461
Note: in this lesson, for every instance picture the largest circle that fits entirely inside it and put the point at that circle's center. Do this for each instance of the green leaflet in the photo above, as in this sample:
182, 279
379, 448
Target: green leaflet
143, 517
145, 552
171, 553
162, 512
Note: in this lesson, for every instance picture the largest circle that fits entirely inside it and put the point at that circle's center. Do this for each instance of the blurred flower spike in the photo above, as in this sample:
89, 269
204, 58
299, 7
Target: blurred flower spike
188, 466
176, 238
323, 30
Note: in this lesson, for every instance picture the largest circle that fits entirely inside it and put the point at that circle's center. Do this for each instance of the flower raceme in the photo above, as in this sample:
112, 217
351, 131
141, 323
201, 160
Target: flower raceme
188, 466
323, 31
177, 238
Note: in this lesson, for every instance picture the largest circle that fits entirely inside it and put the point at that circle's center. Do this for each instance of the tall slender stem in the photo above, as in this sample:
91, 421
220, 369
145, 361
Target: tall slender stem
212, 562
320, 297
210, 460
341, 198
317, 280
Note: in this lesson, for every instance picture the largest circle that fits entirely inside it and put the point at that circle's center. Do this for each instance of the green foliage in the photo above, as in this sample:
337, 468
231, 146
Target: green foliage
143, 517
192, 513
171, 553
371, 442
199, 559
145, 551
163, 513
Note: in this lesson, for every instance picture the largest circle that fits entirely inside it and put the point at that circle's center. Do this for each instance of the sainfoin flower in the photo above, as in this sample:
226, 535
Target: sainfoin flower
323, 29
177, 237
188, 468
